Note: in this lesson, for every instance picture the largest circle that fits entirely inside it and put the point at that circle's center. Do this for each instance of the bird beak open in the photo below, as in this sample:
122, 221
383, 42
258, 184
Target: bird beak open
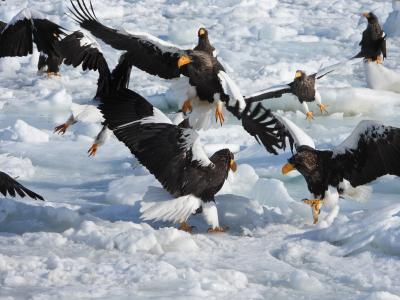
233, 165
202, 32
287, 168
184, 60
298, 74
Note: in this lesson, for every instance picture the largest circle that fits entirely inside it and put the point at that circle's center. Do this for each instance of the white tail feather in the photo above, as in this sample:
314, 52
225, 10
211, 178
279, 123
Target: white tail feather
176, 210
361, 193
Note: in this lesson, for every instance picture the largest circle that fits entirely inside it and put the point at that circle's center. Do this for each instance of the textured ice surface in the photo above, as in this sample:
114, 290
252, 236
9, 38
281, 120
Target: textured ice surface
87, 239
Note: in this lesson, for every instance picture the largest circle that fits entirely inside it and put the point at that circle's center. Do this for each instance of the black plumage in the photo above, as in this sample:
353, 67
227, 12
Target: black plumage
206, 75
29, 27
171, 153
2, 26
373, 42
204, 42
303, 87
371, 151
9, 186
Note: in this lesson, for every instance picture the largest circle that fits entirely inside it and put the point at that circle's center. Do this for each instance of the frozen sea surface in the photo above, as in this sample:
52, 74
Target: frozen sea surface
87, 241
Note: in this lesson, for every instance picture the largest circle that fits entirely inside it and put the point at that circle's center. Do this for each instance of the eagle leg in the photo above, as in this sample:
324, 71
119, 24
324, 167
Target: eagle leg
315, 207
218, 229
219, 116
323, 107
184, 226
61, 129
53, 74
379, 60
309, 116
187, 107
93, 149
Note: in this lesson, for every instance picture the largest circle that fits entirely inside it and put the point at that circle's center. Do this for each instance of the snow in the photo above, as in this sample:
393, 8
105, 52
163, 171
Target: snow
87, 239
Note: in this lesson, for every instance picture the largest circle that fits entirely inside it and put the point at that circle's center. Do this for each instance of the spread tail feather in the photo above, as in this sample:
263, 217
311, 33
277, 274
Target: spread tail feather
177, 210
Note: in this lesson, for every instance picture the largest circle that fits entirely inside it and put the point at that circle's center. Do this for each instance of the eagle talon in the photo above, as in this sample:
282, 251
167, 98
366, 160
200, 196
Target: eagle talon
218, 229
219, 116
53, 74
187, 107
379, 60
186, 227
309, 116
61, 129
93, 150
315, 207
323, 107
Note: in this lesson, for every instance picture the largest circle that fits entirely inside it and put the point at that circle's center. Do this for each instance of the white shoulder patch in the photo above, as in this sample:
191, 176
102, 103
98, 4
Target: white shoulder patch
192, 142
27, 14
300, 137
87, 40
232, 90
365, 127
163, 45
177, 210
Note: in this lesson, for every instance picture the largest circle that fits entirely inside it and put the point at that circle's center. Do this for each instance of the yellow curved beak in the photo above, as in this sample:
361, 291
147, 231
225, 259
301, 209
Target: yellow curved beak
298, 74
202, 32
366, 14
287, 168
233, 165
184, 60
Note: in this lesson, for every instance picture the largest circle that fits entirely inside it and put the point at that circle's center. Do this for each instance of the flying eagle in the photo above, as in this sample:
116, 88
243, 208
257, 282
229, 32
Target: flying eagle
208, 82
28, 27
303, 87
10, 186
173, 154
372, 150
373, 43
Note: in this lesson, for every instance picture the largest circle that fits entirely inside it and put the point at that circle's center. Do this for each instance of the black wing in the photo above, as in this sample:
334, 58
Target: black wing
10, 186
17, 38
148, 53
77, 49
2, 26
272, 92
371, 151
260, 123
383, 46
166, 150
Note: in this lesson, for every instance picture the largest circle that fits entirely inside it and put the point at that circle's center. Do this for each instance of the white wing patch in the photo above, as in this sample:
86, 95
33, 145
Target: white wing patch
27, 14
176, 210
270, 89
192, 142
163, 45
87, 40
158, 117
334, 67
299, 136
366, 128
231, 89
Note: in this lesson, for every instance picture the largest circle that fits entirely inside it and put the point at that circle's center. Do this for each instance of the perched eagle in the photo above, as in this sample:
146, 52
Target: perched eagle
209, 84
373, 43
173, 154
26, 28
10, 186
372, 150
303, 87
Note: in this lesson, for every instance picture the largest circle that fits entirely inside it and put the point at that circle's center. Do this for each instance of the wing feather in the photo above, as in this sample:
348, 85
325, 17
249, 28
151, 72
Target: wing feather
149, 53
10, 186
273, 92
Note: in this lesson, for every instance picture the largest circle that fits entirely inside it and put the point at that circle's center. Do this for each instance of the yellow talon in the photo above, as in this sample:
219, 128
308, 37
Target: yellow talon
187, 107
53, 74
379, 60
309, 115
218, 229
61, 129
184, 226
219, 116
323, 107
315, 207
93, 150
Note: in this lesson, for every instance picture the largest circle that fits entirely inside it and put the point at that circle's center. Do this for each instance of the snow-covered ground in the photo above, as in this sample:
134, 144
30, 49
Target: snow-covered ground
87, 240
